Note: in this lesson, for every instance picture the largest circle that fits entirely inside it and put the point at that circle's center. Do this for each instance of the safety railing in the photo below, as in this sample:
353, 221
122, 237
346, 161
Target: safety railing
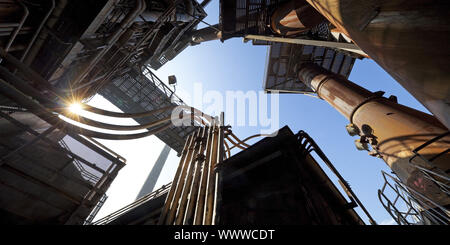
430, 170
97, 208
308, 145
113, 216
408, 206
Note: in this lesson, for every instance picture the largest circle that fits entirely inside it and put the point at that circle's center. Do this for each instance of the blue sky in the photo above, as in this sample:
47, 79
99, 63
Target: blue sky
234, 65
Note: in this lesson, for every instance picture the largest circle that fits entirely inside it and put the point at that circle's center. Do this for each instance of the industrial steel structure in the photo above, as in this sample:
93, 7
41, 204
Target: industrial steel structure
57, 53
251, 187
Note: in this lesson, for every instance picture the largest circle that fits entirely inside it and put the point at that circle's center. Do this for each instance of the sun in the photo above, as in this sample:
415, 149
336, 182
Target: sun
75, 108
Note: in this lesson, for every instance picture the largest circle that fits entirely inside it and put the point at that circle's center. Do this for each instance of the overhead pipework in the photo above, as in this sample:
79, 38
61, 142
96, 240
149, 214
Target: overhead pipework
387, 129
403, 38
294, 17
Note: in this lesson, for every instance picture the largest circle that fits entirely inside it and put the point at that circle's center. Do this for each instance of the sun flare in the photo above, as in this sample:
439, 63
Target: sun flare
75, 108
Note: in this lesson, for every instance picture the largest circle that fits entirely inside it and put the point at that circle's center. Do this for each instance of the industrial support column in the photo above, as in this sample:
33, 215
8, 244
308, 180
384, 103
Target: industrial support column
153, 176
393, 130
409, 39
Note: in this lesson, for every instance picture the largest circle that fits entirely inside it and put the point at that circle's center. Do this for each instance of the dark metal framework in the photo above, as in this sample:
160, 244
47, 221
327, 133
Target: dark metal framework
279, 181
57, 184
242, 17
135, 92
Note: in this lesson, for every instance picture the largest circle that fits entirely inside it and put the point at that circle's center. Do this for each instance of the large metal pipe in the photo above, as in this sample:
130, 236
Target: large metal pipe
295, 17
407, 38
39, 110
199, 212
206, 34
211, 191
181, 182
124, 114
393, 130
192, 178
200, 162
170, 196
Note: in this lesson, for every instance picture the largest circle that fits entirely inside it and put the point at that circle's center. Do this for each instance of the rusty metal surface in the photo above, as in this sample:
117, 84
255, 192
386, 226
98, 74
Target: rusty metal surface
393, 130
294, 17
407, 38
195, 178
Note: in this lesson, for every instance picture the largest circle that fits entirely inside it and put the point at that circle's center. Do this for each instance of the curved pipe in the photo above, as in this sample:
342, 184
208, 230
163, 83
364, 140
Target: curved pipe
406, 39
97, 124
9, 91
194, 111
251, 137
228, 149
102, 112
105, 136
238, 140
108, 126
234, 143
295, 17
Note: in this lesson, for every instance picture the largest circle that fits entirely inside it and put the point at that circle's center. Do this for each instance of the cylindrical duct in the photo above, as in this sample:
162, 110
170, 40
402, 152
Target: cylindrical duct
407, 38
393, 130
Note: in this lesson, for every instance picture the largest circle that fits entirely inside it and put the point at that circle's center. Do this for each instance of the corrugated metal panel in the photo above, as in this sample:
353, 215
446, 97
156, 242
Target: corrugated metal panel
284, 60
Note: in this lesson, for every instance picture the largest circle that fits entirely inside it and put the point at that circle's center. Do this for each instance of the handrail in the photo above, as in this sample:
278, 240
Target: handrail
113, 216
415, 201
314, 147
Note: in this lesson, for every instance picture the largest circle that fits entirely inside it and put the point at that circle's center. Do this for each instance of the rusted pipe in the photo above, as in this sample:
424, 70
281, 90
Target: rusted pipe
191, 186
21, 22
294, 17
199, 214
210, 197
194, 202
393, 130
176, 181
235, 144
251, 137
237, 139
228, 149
406, 38
181, 184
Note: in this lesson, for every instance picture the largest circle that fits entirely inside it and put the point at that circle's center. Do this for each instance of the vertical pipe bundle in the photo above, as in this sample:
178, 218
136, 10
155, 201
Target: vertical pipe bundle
192, 197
